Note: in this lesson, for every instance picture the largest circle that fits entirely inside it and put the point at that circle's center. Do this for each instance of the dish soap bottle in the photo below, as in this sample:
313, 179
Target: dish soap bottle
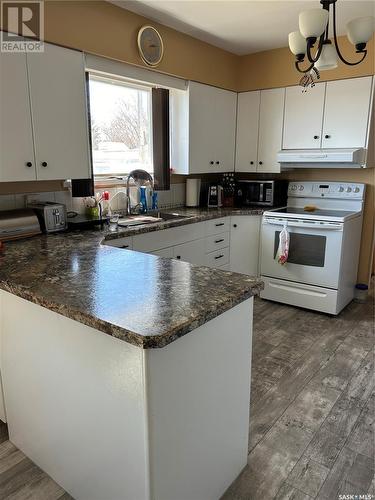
143, 199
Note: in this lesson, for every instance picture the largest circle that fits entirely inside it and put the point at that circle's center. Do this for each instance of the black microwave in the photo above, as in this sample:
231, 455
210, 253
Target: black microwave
261, 193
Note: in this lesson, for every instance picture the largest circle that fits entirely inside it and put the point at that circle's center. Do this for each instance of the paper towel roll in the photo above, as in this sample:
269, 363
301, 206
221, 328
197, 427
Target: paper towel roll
193, 187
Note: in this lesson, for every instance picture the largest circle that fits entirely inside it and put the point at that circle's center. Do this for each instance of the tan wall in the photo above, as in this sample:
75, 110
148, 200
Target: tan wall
107, 30
275, 68
350, 175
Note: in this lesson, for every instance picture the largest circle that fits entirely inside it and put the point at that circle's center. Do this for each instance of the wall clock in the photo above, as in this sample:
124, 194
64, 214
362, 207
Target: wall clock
150, 45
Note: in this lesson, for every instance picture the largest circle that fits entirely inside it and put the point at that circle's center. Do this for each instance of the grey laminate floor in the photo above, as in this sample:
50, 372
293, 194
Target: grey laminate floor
312, 412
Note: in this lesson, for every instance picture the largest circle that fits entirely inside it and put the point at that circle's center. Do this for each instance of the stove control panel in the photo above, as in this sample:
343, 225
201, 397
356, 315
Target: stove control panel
338, 190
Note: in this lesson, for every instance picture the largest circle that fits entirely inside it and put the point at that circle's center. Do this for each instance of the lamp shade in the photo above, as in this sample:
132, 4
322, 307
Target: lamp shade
313, 22
328, 57
297, 43
360, 30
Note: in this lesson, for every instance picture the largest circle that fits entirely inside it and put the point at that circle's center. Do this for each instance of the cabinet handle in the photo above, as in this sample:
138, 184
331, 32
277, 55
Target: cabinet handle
178, 257
211, 162
219, 241
219, 256
29, 164
260, 163
251, 163
125, 246
219, 224
327, 136
316, 137
217, 163
44, 163
234, 225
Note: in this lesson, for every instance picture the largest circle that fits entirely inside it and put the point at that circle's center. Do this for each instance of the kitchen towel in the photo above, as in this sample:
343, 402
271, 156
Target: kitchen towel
283, 249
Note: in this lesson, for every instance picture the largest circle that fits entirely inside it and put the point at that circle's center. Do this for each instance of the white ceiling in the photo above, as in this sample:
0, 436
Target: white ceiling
240, 26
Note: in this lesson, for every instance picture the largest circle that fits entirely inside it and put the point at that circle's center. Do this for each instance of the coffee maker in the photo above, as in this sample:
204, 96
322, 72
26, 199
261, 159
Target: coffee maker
215, 195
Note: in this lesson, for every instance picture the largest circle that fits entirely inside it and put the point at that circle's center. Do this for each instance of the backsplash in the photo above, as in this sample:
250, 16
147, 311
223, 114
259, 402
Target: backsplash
175, 197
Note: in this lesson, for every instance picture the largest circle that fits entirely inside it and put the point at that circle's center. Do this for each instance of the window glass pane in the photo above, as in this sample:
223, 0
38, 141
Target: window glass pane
120, 126
304, 249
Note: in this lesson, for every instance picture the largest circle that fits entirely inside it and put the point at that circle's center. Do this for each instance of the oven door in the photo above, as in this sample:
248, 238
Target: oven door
314, 251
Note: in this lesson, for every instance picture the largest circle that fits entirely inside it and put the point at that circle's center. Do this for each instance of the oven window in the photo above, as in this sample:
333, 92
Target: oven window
304, 249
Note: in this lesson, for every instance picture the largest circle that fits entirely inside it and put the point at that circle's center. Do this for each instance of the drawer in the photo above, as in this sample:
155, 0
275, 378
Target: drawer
163, 238
218, 258
120, 242
217, 241
217, 226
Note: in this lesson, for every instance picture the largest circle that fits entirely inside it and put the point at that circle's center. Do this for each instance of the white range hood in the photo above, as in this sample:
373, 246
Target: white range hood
322, 158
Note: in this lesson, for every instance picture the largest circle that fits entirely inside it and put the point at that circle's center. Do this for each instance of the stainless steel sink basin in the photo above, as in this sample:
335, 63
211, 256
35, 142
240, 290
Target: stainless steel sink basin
152, 218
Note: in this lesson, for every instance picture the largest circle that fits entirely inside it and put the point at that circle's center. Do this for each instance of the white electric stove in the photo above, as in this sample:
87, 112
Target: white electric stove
324, 221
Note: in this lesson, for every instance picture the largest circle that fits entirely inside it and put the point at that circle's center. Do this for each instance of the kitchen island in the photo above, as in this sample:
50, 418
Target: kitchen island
125, 375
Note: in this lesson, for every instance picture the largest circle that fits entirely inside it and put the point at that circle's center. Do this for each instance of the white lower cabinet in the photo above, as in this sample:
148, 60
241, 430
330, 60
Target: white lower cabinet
218, 258
244, 244
193, 252
227, 243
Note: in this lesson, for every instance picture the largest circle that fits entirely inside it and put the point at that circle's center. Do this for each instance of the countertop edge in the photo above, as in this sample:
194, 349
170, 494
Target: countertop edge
115, 331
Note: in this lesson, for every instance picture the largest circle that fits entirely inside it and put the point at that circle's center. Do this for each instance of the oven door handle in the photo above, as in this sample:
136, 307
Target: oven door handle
331, 226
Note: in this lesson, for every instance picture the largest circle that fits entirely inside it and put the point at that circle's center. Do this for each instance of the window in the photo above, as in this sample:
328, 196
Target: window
121, 126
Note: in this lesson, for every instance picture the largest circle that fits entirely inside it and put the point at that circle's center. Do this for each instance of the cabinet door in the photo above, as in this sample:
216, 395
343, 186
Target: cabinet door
346, 113
17, 162
224, 129
193, 252
270, 129
244, 244
59, 110
303, 117
247, 131
212, 124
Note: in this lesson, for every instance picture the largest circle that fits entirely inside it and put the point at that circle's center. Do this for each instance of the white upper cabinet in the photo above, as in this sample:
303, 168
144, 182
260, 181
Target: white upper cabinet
260, 117
203, 130
43, 116
346, 114
303, 118
247, 131
17, 161
58, 105
271, 119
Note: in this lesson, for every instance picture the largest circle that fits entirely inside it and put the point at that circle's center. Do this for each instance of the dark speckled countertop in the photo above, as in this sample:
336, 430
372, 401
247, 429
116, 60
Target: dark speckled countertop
143, 299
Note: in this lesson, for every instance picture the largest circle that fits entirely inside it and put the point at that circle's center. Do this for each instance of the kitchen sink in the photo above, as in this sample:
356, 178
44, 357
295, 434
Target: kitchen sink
153, 218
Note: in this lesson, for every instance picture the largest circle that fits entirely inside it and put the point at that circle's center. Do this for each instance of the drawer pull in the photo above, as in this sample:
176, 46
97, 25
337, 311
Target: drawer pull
219, 224
219, 256
219, 241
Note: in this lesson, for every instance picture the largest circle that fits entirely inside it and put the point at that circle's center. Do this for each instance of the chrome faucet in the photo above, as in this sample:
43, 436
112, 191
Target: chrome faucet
140, 177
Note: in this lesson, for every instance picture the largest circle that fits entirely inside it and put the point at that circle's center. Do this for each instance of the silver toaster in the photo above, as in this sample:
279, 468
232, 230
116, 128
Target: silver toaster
52, 216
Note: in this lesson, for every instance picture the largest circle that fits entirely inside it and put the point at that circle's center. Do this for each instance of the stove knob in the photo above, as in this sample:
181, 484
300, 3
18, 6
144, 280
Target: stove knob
348, 190
301, 188
294, 187
356, 190
341, 189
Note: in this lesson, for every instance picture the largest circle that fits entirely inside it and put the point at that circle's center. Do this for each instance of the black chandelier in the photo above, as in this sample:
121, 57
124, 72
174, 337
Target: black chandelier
314, 25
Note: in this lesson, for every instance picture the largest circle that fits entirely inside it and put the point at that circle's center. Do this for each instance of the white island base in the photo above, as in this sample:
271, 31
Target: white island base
110, 421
